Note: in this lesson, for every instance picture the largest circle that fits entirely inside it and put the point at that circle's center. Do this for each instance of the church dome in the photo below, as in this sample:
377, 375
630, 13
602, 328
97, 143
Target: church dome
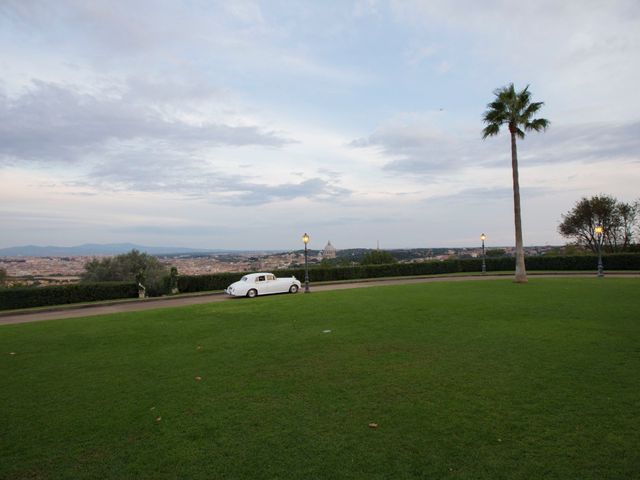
329, 251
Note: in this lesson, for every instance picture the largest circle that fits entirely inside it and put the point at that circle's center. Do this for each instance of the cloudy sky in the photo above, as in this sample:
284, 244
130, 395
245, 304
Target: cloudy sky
242, 124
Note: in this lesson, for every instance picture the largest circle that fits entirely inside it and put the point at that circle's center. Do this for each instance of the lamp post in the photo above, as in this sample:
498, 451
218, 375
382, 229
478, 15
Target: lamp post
484, 265
599, 230
305, 239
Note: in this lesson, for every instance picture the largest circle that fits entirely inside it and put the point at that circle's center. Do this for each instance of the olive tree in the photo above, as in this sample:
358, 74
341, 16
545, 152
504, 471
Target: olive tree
132, 266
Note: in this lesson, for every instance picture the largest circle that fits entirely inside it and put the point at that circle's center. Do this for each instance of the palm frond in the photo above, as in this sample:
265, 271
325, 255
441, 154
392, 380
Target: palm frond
495, 116
497, 106
537, 124
490, 130
506, 97
531, 110
523, 99
500, 91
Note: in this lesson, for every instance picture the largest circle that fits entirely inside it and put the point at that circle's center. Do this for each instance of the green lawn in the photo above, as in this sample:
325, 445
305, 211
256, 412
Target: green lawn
464, 379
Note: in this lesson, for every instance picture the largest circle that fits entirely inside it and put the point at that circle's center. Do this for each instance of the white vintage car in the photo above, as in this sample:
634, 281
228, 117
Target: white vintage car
255, 284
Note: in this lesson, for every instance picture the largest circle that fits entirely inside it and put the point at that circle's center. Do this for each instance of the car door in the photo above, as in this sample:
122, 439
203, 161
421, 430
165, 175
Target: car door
271, 284
261, 284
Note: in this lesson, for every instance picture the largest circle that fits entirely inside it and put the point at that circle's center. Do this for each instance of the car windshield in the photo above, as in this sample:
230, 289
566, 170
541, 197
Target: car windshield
243, 279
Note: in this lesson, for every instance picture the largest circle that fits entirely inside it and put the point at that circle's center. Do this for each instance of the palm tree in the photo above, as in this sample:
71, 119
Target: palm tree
515, 110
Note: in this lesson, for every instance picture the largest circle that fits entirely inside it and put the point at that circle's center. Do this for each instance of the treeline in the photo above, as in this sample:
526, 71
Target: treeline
13, 298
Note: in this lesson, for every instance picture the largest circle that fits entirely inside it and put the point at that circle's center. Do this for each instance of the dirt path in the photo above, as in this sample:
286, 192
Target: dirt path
153, 303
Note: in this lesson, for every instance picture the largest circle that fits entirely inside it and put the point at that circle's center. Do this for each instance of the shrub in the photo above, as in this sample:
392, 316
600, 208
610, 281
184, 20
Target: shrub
11, 298
201, 283
615, 261
128, 267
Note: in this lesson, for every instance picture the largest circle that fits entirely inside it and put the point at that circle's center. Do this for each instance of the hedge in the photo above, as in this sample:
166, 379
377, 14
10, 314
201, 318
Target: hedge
203, 283
621, 261
11, 298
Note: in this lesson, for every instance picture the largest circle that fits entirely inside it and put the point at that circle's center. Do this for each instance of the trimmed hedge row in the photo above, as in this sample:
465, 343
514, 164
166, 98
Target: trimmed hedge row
204, 283
621, 261
613, 261
11, 298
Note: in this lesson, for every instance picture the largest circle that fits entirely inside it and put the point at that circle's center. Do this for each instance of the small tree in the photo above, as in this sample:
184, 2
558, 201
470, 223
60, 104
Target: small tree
133, 266
3, 277
617, 219
378, 257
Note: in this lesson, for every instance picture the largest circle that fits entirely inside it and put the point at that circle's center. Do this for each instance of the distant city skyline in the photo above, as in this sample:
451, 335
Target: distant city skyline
241, 125
58, 268
88, 250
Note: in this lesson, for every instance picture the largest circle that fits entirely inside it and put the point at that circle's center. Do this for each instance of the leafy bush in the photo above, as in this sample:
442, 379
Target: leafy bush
128, 267
11, 298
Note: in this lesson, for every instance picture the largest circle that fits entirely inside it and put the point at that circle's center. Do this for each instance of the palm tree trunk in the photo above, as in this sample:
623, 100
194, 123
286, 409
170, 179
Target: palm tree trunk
521, 273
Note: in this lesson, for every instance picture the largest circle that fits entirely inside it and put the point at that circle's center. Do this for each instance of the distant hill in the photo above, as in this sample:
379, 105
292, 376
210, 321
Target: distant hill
94, 249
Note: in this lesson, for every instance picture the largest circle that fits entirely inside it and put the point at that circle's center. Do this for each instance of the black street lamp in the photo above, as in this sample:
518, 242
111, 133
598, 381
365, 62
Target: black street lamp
599, 230
484, 265
305, 239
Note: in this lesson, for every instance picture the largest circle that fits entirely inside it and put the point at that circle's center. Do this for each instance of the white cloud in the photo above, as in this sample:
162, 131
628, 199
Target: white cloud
443, 67
54, 123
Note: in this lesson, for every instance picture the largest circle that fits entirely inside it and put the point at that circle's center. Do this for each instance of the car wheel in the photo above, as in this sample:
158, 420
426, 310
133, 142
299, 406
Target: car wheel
252, 293
293, 289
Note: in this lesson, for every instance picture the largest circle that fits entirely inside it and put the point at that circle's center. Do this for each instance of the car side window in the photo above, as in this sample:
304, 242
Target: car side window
271, 277
260, 278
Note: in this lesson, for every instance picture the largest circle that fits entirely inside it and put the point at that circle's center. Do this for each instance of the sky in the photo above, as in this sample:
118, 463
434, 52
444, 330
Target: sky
244, 124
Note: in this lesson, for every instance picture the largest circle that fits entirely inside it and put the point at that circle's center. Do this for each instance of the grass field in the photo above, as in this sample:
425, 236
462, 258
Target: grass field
477, 380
